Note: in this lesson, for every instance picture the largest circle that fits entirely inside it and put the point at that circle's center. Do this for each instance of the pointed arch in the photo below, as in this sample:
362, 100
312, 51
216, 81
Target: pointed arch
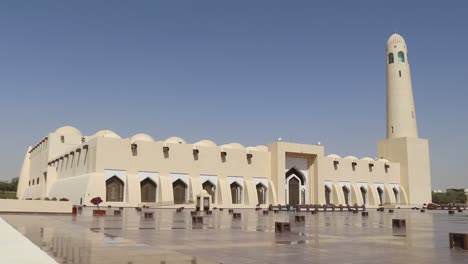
148, 191
296, 172
114, 189
179, 189
346, 194
380, 193
364, 194
261, 193
236, 193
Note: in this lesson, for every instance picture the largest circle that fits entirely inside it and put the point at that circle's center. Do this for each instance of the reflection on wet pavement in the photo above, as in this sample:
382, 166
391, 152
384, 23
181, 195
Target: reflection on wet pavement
170, 237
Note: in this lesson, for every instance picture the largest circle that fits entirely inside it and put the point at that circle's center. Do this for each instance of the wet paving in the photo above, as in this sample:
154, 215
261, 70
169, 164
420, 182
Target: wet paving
170, 237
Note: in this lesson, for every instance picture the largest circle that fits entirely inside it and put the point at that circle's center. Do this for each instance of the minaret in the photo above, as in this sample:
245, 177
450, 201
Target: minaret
401, 115
408, 153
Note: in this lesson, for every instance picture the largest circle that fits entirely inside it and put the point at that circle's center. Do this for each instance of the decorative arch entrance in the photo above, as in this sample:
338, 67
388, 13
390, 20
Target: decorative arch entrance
381, 195
364, 194
179, 189
295, 187
261, 193
236, 193
346, 194
114, 189
148, 191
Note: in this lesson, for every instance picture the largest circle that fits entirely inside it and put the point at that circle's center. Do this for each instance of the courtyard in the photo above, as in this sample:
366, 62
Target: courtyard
170, 237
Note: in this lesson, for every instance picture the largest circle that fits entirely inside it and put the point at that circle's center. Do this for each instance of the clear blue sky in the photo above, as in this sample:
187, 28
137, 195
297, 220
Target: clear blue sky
238, 71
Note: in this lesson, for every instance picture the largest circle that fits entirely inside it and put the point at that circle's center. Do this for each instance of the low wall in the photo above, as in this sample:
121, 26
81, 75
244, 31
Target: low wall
35, 206
16, 248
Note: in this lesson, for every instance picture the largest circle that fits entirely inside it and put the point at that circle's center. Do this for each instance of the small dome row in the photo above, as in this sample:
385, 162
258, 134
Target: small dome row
69, 130
334, 156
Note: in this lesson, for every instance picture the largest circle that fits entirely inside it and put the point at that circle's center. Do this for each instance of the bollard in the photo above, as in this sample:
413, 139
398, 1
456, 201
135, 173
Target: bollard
458, 240
281, 227
148, 215
398, 223
299, 218
197, 220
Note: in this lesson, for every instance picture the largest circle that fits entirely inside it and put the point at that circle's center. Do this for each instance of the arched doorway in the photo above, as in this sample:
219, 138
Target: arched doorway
261, 193
148, 191
211, 189
397, 195
180, 189
114, 189
346, 194
296, 192
327, 195
364, 194
294, 186
380, 192
236, 193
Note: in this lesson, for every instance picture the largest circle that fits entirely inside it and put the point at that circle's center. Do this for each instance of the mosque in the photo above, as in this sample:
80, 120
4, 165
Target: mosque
140, 170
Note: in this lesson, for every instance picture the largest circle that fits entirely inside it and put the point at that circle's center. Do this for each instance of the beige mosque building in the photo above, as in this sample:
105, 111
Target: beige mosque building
141, 170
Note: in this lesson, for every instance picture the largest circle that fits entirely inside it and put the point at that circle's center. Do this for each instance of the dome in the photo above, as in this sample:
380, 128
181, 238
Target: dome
351, 158
68, 130
206, 143
262, 148
175, 140
141, 137
233, 146
367, 159
333, 156
105, 133
395, 38
383, 160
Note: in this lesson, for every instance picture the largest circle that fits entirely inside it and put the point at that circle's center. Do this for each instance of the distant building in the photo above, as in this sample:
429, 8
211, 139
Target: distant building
141, 170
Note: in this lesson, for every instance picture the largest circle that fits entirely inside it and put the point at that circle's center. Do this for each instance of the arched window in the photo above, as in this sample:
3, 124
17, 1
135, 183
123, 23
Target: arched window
114, 189
211, 189
390, 58
261, 193
346, 194
380, 191
401, 56
364, 194
327, 195
179, 189
148, 191
236, 193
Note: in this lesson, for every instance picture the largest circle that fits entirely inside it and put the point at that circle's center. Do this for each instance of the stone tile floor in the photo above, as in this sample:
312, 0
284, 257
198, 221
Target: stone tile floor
170, 237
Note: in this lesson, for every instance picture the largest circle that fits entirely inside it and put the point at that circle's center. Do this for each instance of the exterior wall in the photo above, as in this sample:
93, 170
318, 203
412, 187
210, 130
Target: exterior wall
343, 174
415, 174
35, 206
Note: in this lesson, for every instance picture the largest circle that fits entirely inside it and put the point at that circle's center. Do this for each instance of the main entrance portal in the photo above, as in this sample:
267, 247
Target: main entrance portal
294, 191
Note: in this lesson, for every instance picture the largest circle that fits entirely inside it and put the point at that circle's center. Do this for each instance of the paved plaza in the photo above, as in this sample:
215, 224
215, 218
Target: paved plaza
170, 237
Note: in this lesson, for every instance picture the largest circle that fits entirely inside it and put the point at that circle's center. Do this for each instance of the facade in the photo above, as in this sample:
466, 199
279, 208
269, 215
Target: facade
141, 170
